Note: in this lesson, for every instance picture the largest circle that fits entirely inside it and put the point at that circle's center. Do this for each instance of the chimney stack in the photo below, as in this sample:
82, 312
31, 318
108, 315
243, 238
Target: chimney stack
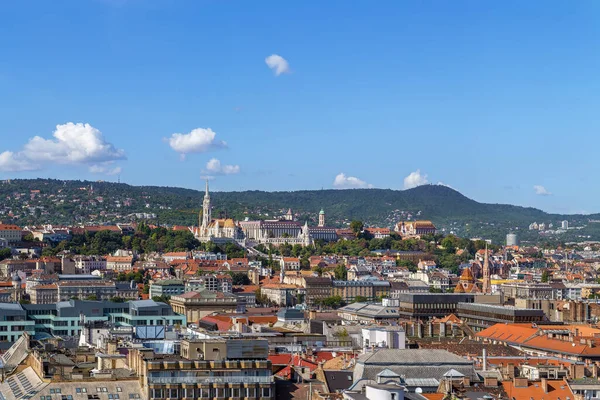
545, 385
484, 360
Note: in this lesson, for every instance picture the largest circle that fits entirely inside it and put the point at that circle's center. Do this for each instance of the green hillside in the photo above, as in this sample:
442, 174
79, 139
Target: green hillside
71, 202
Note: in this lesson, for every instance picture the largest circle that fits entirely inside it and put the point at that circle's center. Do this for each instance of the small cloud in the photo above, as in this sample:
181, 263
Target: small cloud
415, 179
342, 181
278, 64
15, 162
200, 140
106, 169
541, 191
215, 167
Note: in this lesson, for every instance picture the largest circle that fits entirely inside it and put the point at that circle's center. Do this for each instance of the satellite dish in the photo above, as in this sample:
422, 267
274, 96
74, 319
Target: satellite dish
418, 390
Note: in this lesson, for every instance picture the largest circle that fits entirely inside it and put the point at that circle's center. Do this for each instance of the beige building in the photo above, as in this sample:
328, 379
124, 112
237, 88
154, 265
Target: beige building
119, 264
198, 304
206, 369
11, 233
44, 294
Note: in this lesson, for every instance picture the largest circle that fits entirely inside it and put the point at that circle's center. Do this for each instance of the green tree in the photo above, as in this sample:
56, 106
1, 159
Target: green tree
239, 278
117, 299
5, 253
357, 227
340, 272
545, 276
332, 302
360, 299
92, 297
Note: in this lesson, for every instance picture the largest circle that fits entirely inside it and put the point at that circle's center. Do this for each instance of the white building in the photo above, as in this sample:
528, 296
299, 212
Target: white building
87, 264
391, 337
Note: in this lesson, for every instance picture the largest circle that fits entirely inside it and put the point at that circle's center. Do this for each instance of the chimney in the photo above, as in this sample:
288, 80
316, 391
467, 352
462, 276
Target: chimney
484, 360
510, 370
545, 385
520, 382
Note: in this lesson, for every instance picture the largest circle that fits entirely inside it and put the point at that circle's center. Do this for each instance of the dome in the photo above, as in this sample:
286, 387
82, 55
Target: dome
322, 212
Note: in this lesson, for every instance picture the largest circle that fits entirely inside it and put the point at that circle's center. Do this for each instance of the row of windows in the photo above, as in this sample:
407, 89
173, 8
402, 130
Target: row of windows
209, 393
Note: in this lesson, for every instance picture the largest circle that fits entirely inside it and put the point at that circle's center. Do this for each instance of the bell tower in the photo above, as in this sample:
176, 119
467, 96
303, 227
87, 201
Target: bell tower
206, 217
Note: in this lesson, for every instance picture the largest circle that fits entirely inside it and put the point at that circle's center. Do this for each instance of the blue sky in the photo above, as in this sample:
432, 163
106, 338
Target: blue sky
496, 99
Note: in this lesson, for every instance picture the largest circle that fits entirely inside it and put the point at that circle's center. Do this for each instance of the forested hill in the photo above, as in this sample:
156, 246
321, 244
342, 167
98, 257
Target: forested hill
70, 202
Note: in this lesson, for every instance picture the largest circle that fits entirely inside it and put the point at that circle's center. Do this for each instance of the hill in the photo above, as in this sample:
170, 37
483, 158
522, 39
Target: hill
39, 201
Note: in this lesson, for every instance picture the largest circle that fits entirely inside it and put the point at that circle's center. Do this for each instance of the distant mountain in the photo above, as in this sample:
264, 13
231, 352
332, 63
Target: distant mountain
69, 202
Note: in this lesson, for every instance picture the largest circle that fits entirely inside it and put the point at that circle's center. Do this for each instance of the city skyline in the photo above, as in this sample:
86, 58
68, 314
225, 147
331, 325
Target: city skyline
285, 98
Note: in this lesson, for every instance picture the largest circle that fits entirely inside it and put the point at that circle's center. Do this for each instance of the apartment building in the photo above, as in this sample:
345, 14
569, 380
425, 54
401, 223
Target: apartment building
206, 369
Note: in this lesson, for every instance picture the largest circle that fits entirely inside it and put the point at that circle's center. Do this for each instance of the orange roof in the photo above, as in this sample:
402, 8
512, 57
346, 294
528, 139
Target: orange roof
511, 333
467, 275
119, 259
7, 227
556, 390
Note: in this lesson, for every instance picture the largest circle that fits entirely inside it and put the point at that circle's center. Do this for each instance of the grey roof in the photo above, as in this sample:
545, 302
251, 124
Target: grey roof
412, 356
370, 310
11, 306
453, 374
290, 313
386, 373
412, 364
338, 380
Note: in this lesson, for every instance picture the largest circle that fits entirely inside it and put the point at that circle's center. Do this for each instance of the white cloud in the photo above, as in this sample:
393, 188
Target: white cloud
72, 144
199, 140
215, 167
342, 181
105, 168
11, 162
541, 191
415, 179
278, 64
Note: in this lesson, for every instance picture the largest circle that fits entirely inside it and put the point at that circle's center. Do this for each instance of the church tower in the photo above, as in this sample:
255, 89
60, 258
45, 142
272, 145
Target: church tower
206, 217
322, 218
487, 287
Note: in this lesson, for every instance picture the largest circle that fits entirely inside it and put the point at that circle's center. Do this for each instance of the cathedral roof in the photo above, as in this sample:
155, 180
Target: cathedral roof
223, 223
459, 289
467, 275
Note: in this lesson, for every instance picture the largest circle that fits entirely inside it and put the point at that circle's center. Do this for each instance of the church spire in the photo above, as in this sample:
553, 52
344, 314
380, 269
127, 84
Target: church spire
487, 288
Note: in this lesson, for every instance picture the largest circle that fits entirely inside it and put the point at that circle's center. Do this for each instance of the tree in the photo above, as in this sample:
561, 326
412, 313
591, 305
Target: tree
239, 278
161, 299
117, 299
356, 227
92, 297
360, 299
5, 253
545, 276
340, 272
332, 302
319, 270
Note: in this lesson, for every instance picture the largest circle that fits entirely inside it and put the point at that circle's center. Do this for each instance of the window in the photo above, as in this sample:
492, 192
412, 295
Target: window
83, 390
104, 390
98, 389
51, 391
77, 390
119, 389
116, 396
110, 397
